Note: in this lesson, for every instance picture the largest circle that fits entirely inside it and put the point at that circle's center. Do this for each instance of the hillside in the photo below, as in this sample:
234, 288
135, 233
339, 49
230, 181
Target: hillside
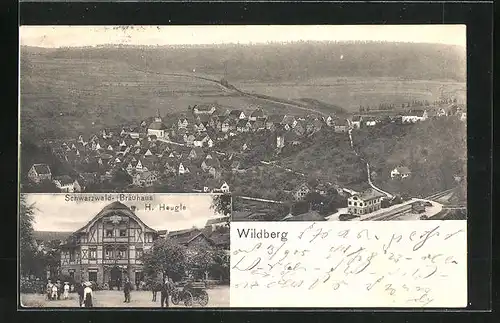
327, 156
435, 151
78, 90
288, 62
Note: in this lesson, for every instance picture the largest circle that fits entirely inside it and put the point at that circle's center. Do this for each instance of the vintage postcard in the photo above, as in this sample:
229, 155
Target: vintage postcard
123, 250
355, 134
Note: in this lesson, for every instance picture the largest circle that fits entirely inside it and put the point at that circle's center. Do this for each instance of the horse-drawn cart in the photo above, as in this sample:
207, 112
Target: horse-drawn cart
190, 293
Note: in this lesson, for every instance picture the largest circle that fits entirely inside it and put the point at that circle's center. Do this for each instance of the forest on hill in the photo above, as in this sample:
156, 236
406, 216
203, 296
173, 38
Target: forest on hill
283, 62
435, 151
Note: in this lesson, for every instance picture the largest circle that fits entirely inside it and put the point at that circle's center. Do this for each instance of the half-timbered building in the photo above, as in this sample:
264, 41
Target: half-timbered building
108, 248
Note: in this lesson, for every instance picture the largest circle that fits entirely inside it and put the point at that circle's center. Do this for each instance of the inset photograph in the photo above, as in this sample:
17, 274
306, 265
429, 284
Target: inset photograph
124, 250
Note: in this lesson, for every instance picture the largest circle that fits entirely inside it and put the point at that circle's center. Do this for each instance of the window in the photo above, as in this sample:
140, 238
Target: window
93, 253
72, 255
108, 253
138, 253
121, 254
72, 274
360, 204
109, 233
350, 202
123, 233
355, 204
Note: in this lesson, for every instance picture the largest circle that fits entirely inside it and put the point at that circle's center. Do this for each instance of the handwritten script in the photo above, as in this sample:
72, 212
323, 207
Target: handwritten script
351, 264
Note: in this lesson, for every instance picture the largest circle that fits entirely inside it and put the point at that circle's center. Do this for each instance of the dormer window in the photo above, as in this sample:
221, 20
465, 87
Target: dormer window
109, 233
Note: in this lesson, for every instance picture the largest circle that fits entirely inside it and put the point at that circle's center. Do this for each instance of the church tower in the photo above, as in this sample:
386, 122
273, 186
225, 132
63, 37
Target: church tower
158, 118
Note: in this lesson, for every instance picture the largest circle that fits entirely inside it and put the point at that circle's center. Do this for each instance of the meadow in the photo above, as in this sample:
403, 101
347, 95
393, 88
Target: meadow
349, 93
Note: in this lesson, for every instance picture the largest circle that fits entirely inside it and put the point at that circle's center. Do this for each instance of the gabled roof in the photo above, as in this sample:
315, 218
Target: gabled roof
198, 151
42, 169
257, 113
402, 170
205, 107
64, 180
110, 209
235, 113
369, 194
223, 219
288, 119
185, 236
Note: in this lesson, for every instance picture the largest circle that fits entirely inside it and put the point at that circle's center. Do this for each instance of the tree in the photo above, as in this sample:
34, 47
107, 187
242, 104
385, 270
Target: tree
200, 260
165, 258
222, 204
28, 248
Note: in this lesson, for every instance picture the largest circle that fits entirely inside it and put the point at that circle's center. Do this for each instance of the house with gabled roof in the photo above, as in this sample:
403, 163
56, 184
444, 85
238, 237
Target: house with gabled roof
273, 120
205, 109
289, 120
341, 125
64, 183
301, 191
182, 123
183, 169
190, 238
196, 153
108, 248
257, 114
144, 179
365, 202
356, 122
39, 173
400, 172
329, 120
237, 114
414, 115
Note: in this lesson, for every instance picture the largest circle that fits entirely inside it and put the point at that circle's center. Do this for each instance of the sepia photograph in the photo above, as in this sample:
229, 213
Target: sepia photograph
123, 250
295, 123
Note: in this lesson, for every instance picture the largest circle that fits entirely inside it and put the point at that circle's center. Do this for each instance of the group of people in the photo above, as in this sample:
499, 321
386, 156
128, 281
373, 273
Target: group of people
55, 290
85, 294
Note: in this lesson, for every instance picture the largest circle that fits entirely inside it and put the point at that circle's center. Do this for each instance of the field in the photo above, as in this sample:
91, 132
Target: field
218, 297
349, 93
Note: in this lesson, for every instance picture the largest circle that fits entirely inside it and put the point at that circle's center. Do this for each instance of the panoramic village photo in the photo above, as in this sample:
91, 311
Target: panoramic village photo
295, 123
124, 250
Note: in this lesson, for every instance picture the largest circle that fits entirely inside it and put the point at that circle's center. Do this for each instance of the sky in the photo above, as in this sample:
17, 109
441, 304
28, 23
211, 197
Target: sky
79, 36
54, 213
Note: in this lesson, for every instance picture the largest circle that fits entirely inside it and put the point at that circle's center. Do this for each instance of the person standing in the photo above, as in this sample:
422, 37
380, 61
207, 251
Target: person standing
59, 289
66, 290
165, 292
53, 296
48, 290
79, 290
156, 286
127, 287
87, 295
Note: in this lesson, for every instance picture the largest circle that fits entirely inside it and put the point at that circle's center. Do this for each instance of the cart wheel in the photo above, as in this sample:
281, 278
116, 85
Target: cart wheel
176, 298
188, 299
203, 298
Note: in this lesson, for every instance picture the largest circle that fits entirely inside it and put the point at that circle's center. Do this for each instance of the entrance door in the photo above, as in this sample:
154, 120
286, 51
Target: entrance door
93, 276
116, 276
